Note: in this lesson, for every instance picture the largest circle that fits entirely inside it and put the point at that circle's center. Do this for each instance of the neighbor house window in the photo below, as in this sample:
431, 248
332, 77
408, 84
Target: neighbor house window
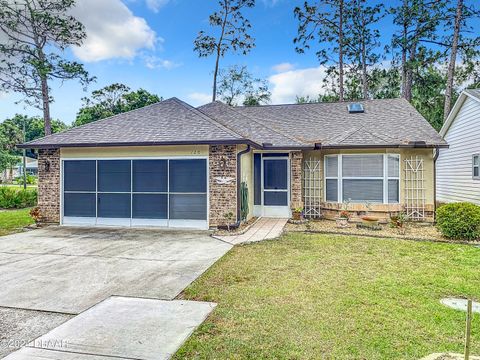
476, 166
361, 178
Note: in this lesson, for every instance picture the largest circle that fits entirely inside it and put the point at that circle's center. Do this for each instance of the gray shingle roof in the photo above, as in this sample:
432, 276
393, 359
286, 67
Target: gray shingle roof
386, 122
168, 122
248, 127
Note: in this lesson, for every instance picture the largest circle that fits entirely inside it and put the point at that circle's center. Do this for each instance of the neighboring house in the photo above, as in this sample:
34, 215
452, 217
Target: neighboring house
170, 164
10, 174
458, 168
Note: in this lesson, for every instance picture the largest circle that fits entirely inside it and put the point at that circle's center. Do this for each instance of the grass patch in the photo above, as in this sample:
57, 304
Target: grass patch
13, 220
342, 297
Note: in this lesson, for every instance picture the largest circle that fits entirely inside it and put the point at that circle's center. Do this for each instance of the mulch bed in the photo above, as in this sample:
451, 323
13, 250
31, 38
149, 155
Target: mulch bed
242, 229
413, 231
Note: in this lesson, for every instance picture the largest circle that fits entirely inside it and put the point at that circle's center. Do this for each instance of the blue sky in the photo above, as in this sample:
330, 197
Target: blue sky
149, 44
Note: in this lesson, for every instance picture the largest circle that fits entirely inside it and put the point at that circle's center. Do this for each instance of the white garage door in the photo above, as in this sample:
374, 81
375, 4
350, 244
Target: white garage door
128, 192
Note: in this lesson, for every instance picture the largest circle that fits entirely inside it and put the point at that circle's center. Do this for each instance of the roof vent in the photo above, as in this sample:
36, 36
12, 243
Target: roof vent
355, 108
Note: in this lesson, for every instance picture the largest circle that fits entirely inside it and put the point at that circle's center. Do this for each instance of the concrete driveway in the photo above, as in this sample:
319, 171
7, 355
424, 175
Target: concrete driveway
68, 270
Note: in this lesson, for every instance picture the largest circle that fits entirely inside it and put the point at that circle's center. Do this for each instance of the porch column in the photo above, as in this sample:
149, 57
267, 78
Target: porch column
296, 179
223, 183
49, 185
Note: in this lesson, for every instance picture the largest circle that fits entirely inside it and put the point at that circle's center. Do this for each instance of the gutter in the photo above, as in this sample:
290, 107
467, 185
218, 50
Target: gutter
435, 157
239, 173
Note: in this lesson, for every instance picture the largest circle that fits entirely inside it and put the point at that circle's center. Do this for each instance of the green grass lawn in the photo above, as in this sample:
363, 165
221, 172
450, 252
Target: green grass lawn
13, 220
335, 297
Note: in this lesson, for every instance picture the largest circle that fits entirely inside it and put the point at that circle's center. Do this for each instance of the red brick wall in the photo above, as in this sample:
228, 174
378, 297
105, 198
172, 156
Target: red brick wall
223, 196
49, 185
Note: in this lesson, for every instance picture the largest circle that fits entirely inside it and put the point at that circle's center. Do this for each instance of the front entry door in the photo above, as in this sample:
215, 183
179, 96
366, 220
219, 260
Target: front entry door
276, 184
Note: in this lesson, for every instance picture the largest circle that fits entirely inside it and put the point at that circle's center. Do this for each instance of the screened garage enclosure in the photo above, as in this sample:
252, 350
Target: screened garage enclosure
135, 192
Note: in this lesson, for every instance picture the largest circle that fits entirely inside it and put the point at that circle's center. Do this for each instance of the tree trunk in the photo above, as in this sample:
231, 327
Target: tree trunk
219, 50
453, 59
404, 49
340, 52
409, 72
215, 74
46, 107
364, 64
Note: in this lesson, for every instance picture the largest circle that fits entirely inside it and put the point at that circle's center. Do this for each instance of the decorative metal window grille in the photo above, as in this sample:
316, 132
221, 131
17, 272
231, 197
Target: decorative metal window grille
312, 188
414, 192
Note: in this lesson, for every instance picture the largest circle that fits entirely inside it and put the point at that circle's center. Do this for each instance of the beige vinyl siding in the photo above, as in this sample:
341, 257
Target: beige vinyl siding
134, 151
454, 165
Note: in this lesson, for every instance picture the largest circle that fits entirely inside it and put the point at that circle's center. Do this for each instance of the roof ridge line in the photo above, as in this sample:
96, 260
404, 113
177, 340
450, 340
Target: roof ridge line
99, 120
208, 118
268, 127
346, 135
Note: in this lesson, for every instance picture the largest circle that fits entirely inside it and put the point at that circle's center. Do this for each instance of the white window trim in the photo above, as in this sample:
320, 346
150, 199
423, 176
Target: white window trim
385, 178
475, 166
325, 178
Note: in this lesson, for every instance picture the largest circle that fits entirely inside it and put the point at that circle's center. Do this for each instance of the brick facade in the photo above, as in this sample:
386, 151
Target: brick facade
223, 183
49, 185
296, 179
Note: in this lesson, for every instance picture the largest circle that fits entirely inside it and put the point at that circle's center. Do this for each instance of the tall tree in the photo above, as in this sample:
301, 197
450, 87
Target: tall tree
35, 33
232, 34
418, 21
323, 22
34, 127
111, 100
463, 38
363, 39
236, 83
12, 130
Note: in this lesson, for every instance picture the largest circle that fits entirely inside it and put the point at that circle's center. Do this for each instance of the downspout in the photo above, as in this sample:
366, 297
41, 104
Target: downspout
239, 180
435, 157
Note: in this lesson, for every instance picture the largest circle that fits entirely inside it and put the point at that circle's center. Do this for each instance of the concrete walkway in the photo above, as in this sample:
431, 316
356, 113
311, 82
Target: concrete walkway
263, 229
120, 328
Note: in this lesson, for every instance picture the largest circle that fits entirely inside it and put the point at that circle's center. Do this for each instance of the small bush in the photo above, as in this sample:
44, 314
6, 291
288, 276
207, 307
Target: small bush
460, 221
12, 198
31, 180
35, 214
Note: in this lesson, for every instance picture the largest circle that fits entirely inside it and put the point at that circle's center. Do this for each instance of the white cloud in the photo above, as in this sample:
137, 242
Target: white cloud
155, 5
112, 31
282, 67
153, 62
270, 3
302, 82
199, 98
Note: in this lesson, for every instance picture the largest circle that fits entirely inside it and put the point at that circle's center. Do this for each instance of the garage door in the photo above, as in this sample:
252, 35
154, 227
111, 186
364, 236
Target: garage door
160, 192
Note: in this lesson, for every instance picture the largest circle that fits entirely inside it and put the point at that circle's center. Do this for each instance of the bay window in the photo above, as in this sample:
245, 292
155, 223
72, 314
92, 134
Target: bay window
358, 178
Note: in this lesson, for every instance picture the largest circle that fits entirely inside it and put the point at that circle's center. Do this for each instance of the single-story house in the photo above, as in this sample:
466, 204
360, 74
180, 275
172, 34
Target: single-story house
458, 167
17, 170
170, 164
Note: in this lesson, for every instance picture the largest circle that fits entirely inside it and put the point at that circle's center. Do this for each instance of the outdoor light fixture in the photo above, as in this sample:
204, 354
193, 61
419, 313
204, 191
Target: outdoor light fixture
223, 164
46, 166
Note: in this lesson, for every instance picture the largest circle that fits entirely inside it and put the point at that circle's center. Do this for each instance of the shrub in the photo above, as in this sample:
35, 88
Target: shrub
31, 180
459, 221
12, 198
35, 214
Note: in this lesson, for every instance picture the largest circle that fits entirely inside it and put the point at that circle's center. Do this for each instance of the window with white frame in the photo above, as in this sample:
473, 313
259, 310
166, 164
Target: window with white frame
476, 166
361, 178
